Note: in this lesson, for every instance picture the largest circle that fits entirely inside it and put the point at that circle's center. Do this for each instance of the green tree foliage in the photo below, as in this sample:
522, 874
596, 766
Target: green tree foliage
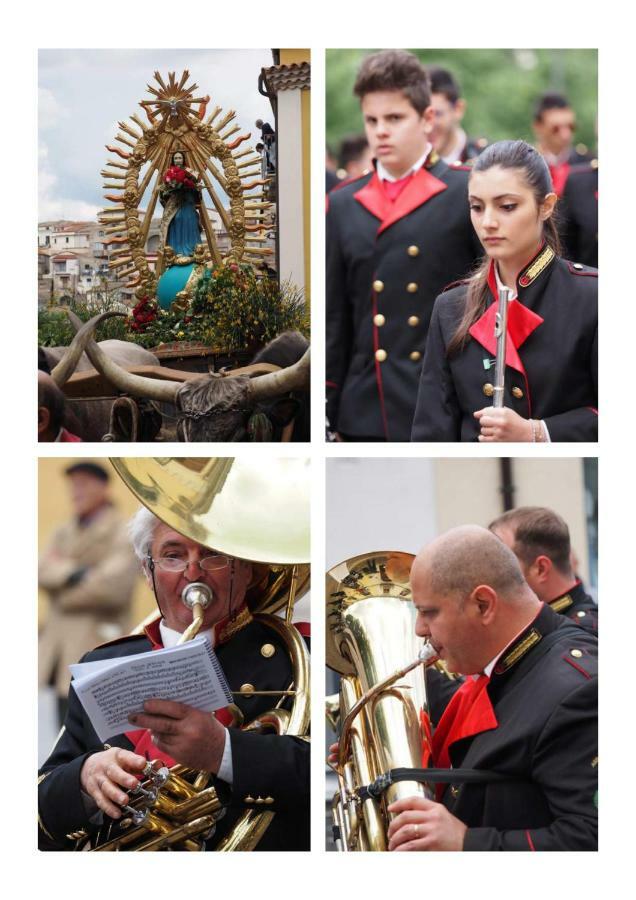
500, 88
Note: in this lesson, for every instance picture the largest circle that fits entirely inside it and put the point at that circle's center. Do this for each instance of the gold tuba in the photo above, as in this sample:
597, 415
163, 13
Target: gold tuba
371, 642
261, 514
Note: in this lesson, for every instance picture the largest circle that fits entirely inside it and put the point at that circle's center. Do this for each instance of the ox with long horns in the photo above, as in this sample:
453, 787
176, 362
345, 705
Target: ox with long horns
209, 407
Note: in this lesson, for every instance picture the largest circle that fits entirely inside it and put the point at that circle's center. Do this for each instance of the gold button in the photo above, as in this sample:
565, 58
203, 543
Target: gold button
415, 355
594, 164
411, 287
378, 286
413, 250
268, 650
380, 355
413, 321
247, 689
454, 791
577, 654
379, 320
269, 800
488, 389
580, 615
577, 266
582, 149
517, 392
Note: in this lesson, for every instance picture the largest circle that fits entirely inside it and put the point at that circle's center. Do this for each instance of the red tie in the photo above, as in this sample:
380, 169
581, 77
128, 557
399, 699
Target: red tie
469, 712
393, 189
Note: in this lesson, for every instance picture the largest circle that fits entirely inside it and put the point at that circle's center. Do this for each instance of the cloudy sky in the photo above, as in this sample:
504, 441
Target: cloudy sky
84, 93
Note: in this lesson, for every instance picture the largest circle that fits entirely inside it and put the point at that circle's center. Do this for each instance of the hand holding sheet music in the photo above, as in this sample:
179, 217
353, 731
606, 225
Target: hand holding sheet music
112, 690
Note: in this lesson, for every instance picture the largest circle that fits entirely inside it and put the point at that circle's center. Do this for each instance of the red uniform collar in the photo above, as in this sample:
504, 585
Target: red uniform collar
421, 186
521, 320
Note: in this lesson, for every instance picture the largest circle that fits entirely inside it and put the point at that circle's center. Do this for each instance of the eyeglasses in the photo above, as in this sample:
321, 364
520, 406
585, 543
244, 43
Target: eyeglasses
177, 564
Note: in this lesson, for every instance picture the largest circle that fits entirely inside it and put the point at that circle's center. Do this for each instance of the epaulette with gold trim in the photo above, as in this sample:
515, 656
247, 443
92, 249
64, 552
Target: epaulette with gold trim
432, 159
561, 603
518, 651
237, 624
537, 266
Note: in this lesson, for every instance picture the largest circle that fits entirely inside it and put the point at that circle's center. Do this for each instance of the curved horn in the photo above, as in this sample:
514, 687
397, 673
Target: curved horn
135, 385
67, 365
293, 378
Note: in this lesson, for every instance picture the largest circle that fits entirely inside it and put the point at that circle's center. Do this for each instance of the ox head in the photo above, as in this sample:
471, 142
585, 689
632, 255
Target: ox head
211, 408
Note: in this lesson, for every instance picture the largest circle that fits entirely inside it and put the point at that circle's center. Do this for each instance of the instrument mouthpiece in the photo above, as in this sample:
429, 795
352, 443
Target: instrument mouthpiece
197, 592
428, 653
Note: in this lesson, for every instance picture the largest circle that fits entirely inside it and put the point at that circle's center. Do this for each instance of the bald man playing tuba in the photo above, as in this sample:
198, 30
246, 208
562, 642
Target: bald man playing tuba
518, 739
87, 787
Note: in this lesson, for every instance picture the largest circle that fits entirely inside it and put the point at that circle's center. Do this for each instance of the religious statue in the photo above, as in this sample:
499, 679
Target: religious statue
184, 161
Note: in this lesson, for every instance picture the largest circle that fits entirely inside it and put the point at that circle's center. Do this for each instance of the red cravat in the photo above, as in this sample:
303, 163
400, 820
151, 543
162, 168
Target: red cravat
393, 189
469, 712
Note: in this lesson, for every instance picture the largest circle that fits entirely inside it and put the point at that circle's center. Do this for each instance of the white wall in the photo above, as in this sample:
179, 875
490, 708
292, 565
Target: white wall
290, 188
378, 504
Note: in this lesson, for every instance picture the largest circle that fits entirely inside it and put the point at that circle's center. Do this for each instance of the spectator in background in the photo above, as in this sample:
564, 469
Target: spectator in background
540, 539
268, 137
355, 156
554, 126
448, 137
88, 571
52, 412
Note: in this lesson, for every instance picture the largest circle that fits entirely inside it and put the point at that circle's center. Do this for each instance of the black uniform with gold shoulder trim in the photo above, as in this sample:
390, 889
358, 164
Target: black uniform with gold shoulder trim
551, 356
386, 262
269, 772
577, 605
543, 693
578, 214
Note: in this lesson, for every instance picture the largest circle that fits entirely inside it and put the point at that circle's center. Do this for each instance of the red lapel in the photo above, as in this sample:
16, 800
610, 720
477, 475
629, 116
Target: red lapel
373, 198
469, 712
521, 323
421, 187
418, 191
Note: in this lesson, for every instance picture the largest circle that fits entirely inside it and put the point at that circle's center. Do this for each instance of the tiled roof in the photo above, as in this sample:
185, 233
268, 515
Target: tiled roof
297, 76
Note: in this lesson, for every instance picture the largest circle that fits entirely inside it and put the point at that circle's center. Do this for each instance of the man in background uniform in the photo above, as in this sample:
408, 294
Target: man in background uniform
395, 238
448, 137
354, 156
554, 126
577, 214
540, 539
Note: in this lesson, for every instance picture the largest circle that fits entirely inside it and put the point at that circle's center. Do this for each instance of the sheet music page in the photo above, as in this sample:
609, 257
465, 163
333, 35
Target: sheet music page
111, 690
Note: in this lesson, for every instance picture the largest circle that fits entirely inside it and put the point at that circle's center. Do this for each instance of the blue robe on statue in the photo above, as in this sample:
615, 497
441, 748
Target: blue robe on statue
183, 234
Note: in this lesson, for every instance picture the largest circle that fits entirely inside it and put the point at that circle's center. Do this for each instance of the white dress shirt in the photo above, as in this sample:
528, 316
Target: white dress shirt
385, 175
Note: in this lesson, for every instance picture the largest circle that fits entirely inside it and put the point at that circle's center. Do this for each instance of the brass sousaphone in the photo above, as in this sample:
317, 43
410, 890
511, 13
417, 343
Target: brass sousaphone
371, 643
258, 511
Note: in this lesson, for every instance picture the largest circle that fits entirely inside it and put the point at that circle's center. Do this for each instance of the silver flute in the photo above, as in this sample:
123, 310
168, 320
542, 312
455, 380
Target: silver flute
501, 329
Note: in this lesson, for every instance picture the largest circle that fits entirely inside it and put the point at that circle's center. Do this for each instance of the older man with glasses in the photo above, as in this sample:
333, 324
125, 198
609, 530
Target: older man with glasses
82, 780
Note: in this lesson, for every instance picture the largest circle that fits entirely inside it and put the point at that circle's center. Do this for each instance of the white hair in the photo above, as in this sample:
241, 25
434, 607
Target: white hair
141, 530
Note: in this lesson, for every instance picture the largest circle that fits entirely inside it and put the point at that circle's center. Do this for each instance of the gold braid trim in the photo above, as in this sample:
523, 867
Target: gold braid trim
561, 604
237, 624
536, 268
517, 652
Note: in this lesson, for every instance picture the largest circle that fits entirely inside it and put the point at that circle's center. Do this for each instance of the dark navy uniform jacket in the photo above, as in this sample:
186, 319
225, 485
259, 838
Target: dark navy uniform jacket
578, 215
386, 263
578, 606
543, 693
263, 765
551, 356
